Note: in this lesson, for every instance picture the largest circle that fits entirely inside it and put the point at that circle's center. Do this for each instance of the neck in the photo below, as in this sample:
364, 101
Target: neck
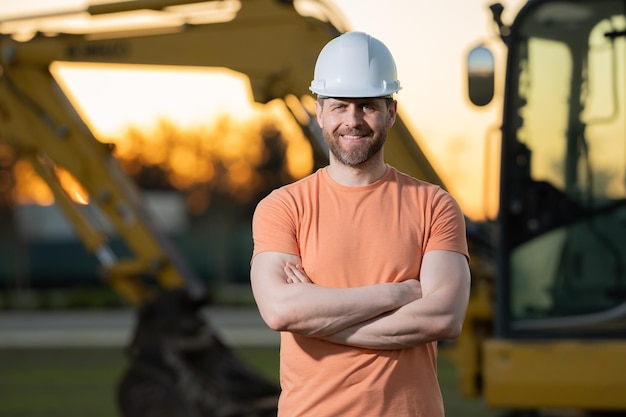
357, 176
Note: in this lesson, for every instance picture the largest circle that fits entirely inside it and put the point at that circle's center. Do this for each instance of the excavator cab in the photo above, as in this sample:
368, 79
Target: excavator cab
563, 183
560, 292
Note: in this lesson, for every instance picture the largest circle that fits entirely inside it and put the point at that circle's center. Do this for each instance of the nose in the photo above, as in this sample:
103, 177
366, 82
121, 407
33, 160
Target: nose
353, 116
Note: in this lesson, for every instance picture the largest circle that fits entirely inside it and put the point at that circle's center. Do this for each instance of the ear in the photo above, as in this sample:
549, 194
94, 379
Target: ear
319, 108
392, 112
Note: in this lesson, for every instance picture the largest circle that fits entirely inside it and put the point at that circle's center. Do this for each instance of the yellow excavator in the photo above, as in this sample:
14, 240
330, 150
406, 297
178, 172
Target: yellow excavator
178, 365
546, 321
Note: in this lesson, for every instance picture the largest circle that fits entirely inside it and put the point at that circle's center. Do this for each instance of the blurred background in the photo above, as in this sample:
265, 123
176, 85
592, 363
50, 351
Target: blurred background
203, 154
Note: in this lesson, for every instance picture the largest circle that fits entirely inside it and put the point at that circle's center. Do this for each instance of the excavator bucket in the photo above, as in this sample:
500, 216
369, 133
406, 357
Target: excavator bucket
179, 367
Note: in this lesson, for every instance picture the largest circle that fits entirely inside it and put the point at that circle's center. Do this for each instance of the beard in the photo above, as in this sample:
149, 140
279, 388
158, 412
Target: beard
357, 154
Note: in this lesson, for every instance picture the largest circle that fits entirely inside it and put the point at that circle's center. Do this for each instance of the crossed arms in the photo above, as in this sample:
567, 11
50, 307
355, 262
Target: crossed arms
382, 316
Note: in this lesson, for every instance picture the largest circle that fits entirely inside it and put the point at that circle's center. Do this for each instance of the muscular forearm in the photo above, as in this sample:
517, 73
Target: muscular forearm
312, 310
419, 322
437, 315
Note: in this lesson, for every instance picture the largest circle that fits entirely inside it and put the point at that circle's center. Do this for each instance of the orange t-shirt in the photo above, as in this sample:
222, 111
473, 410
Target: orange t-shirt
348, 237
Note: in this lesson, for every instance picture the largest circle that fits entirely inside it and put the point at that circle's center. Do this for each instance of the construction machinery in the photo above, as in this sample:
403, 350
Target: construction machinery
546, 328
178, 365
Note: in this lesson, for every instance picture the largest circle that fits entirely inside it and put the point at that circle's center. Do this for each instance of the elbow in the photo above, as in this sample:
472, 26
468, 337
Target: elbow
450, 328
286, 320
452, 332
279, 317
275, 320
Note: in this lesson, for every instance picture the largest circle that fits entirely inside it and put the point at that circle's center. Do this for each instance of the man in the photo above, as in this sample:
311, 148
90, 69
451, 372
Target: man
361, 268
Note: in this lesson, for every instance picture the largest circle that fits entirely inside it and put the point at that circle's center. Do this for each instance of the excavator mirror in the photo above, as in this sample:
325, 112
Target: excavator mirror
480, 75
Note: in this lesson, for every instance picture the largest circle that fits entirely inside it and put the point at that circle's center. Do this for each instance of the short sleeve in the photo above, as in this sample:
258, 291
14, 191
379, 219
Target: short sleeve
274, 224
448, 230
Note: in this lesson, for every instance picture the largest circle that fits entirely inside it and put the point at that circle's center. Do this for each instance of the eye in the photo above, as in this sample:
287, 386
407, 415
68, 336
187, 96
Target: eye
368, 107
338, 107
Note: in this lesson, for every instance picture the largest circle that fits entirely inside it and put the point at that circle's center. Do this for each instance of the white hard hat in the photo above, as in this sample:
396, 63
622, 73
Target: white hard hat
355, 65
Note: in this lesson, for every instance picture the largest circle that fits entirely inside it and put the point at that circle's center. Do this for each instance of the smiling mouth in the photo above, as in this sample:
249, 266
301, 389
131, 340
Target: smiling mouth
354, 136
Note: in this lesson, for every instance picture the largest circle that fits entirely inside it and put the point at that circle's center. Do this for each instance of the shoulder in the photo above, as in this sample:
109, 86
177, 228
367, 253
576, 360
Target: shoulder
291, 194
430, 199
425, 189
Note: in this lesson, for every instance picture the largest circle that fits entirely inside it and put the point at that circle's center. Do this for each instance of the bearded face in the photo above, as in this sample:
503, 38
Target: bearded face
355, 130
358, 147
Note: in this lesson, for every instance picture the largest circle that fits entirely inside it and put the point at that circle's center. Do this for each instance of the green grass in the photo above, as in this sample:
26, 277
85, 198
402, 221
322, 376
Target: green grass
82, 382
59, 382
